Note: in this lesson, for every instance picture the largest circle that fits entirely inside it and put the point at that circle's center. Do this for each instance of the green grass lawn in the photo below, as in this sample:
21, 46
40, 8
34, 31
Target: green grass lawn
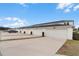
70, 48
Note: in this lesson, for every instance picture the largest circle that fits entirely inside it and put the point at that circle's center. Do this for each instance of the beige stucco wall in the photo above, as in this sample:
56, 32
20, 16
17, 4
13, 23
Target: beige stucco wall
62, 32
69, 33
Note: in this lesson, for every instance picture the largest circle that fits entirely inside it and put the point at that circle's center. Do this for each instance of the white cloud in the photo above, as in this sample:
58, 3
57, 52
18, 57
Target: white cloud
77, 26
14, 22
67, 7
71, 5
11, 18
67, 10
8, 18
63, 5
76, 7
15, 18
23, 4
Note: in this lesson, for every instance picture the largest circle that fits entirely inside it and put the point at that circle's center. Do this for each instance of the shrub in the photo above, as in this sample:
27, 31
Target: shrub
76, 35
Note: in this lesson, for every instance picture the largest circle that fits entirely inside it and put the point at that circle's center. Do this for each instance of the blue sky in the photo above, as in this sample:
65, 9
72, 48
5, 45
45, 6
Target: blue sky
21, 14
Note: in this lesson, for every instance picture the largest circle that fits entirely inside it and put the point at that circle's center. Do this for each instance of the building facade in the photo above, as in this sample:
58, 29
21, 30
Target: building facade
59, 29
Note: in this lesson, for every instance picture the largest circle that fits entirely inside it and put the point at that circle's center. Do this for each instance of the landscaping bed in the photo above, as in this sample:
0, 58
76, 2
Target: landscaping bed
70, 48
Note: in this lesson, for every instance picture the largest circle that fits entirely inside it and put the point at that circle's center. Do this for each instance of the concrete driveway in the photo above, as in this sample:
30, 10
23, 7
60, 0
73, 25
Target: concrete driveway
43, 46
